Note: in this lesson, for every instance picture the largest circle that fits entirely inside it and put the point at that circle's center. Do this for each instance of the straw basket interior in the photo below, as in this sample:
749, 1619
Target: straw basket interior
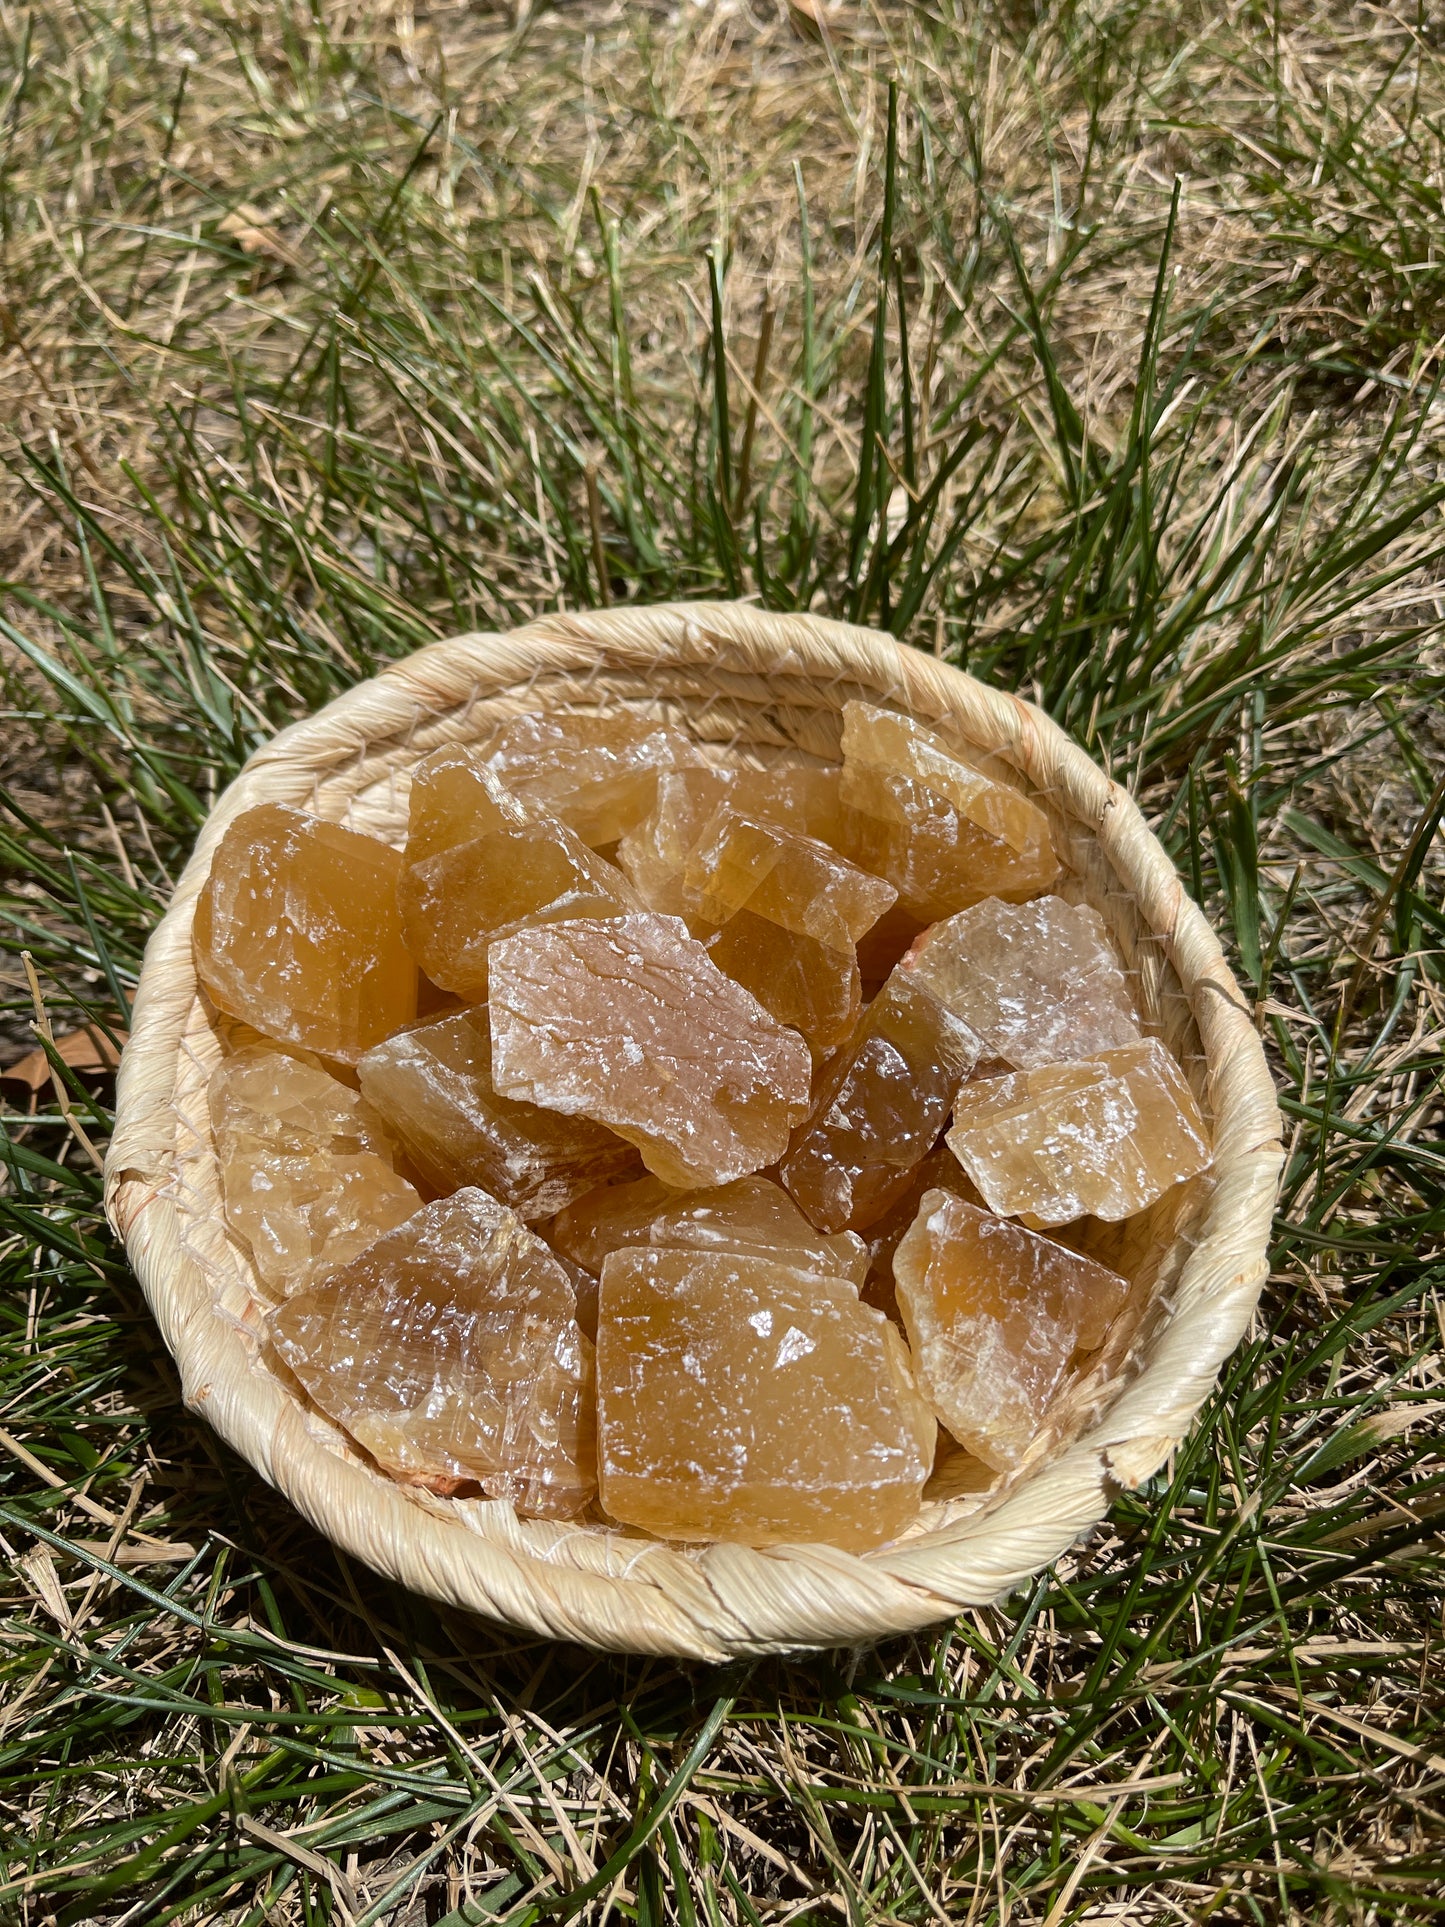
754, 689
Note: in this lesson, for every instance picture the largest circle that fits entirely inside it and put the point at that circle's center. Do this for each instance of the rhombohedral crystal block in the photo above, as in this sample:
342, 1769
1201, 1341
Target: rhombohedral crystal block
750, 1215
945, 833
306, 1167
1101, 1138
882, 1103
629, 1022
1037, 982
433, 1085
740, 1399
450, 1351
597, 772
297, 933
790, 912
480, 863
995, 1315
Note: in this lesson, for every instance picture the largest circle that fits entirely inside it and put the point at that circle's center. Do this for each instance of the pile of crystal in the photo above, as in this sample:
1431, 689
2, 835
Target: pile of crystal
689, 1150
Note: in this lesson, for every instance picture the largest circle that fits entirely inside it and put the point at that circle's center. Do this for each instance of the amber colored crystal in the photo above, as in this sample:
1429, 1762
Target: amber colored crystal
995, 1314
1036, 982
939, 1171
881, 1105
596, 771
450, 1351
801, 982
742, 1400
941, 830
1102, 1137
742, 862
307, 1170
464, 886
433, 1085
750, 1215
296, 932
629, 1022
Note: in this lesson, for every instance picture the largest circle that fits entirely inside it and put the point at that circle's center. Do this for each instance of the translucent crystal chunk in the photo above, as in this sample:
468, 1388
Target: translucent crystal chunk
941, 830
995, 1315
433, 1085
1103, 1137
597, 772
939, 1171
1036, 982
450, 1351
465, 886
296, 932
629, 1022
741, 862
751, 1215
880, 1107
306, 1167
743, 1400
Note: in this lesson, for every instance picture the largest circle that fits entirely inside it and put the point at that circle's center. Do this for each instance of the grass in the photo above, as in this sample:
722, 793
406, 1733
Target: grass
1093, 345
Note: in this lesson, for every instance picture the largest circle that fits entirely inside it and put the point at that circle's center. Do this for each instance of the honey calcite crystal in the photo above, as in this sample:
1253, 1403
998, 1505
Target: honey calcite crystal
307, 1170
881, 1105
1036, 982
433, 1085
597, 771
743, 1400
297, 933
790, 912
480, 863
751, 1215
629, 1022
450, 1351
995, 1315
941, 830
1100, 1138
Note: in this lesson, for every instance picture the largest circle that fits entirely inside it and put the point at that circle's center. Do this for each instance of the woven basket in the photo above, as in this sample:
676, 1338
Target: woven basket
756, 686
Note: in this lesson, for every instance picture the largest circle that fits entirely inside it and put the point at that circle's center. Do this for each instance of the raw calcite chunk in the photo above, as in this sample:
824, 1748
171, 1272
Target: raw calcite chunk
1036, 982
790, 912
942, 831
805, 800
629, 1022
450, 1351
598, 773
939, 1171
995, 1315
883, 1101
1101, 1138
306, 1166
743, 1400
751, 1215
297, 933
433, 1085
480, 863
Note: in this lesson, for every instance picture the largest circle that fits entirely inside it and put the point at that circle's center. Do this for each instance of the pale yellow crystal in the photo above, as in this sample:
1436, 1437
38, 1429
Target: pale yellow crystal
939, 1171
629, 1022
742, 862
1037, 982
480, 863
597, 771
944, 832
995, 1315
740, 1399
751, 1215
789, 911
1102, 1137
881, 1105
450, 1351
296, 932
307, 1170
433, 1085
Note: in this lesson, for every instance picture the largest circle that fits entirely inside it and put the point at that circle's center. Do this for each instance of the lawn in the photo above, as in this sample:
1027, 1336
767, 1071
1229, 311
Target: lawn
1094, 346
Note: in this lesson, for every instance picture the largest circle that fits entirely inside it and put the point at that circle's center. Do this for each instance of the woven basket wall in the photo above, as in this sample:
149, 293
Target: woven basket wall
756, 687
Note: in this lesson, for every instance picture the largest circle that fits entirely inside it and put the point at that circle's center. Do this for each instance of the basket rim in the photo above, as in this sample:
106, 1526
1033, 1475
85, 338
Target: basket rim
618, 1593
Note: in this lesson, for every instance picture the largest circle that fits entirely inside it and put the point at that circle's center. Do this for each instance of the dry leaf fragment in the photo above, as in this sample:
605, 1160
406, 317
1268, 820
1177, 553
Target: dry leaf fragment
88, 1051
